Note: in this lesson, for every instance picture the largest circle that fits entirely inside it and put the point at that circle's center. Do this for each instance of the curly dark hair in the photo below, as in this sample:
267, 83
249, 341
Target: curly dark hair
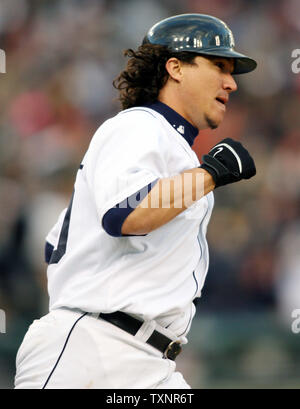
145, 74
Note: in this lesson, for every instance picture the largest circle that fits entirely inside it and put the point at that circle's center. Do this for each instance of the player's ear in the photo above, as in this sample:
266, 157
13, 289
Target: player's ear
174, 69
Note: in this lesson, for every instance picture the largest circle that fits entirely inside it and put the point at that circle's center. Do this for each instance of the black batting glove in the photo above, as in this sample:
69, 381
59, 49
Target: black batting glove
228, 162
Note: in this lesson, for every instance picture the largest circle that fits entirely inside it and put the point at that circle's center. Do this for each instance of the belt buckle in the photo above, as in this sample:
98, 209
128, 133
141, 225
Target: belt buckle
173, 350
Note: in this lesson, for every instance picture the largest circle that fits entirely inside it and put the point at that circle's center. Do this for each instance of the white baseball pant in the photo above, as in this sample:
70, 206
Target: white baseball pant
68, 349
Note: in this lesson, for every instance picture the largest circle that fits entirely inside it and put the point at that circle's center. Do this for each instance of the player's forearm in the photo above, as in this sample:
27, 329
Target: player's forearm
167, 199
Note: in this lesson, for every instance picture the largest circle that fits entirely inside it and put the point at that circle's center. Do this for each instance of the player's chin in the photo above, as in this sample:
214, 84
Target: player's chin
213, 121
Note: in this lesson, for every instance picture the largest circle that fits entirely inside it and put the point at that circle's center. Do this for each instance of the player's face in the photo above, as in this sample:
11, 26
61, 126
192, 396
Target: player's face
205, 88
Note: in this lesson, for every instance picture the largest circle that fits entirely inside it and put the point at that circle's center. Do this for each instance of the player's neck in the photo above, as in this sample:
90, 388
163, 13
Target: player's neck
172, 103
170, 97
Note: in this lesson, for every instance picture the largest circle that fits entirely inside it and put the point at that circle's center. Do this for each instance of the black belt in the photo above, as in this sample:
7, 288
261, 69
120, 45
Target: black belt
169, 348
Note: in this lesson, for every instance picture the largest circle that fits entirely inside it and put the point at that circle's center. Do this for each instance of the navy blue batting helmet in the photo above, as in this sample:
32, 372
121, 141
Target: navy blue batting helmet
200, 34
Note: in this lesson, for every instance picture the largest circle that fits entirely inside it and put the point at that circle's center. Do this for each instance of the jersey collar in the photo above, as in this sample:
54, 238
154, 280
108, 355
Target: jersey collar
181, 125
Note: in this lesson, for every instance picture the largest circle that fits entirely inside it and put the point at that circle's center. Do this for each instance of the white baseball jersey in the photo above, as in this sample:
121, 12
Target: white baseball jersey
155, 276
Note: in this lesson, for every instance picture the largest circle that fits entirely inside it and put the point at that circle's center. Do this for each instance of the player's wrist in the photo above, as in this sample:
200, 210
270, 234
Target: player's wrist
210, 175
219, 172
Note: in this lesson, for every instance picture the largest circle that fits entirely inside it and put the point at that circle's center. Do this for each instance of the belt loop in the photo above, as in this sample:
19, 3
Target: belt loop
146, 330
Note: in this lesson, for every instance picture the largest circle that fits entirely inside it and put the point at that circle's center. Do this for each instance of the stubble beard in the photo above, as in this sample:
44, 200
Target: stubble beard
210, 122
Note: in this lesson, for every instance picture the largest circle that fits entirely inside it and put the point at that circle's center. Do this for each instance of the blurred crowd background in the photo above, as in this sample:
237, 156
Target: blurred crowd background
61, 59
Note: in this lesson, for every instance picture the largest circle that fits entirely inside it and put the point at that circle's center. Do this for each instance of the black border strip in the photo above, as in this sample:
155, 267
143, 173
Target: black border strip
64, 347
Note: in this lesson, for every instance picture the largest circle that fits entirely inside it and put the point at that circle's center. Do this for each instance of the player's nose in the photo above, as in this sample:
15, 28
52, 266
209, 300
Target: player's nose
229, 83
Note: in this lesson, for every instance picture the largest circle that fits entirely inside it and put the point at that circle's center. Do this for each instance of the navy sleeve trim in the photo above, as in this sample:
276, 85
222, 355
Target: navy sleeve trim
114, 218
48, 251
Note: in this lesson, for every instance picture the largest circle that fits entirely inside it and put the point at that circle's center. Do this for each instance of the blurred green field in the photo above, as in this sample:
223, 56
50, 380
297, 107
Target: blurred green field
241, 351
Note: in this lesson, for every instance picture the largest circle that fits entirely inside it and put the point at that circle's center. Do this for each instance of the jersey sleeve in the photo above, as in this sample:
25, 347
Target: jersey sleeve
131, 153
114, 218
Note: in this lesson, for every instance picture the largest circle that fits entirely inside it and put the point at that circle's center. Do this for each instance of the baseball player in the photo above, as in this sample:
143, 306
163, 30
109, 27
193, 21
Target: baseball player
128, 257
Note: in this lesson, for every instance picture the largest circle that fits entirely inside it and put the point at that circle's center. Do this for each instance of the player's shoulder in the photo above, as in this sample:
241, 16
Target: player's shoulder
138, 111
136, 129
130, 122
138, 116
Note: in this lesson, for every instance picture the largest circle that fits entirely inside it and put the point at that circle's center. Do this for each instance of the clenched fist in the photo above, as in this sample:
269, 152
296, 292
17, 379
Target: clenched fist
228, 162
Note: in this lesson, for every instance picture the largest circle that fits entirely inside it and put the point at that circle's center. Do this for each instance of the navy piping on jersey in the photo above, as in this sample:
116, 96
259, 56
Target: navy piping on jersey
114, 218
64, 347
180, 124
48, 252
196, 283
